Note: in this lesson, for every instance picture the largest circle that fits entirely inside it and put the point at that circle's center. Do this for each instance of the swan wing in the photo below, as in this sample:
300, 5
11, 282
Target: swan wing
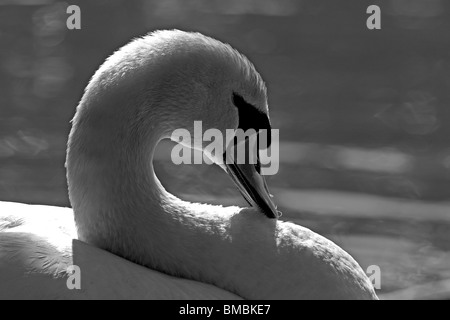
39, 243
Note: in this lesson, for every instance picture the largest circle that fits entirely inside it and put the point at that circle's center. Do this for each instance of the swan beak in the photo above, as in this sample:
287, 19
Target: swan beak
251, 184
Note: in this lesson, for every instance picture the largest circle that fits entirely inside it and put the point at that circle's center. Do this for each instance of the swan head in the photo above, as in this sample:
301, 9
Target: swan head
169, 80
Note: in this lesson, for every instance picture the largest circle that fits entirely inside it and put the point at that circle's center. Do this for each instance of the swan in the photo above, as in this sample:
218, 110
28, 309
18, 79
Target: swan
129, 237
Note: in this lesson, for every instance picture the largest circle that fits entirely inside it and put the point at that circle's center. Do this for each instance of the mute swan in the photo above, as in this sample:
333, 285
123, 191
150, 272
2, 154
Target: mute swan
135, 240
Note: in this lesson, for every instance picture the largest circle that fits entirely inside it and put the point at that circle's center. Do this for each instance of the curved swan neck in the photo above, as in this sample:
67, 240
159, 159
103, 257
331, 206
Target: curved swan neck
109, 165
120, 205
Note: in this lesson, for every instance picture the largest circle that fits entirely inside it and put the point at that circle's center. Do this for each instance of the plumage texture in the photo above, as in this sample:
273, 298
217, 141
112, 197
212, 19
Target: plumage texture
38, 244
155, 84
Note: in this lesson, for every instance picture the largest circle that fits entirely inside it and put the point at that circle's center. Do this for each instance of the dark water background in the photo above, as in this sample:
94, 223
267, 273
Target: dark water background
365, 149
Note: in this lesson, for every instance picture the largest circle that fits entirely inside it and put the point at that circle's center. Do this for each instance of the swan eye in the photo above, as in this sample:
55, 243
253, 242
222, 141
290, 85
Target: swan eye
251, 117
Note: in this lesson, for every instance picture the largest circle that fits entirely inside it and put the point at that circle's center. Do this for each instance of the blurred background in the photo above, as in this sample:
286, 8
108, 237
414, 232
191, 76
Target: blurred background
365, 152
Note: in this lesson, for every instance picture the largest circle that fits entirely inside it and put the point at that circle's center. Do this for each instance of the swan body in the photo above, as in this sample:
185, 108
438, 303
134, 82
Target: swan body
135, 240
39, 243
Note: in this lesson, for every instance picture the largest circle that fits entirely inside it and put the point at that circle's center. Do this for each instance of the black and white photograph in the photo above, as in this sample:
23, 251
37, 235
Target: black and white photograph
200, 150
